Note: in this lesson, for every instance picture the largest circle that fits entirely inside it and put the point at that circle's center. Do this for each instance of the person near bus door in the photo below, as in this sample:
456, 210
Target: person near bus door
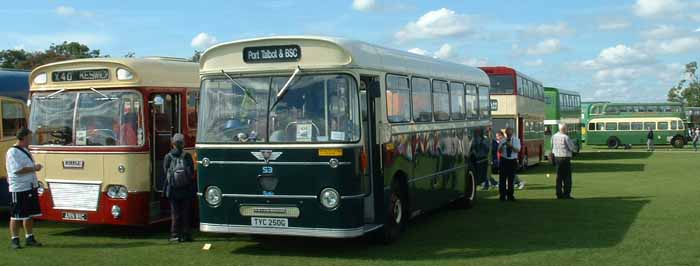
650, 139
696, 138
509, 148
562, 148
180, 189
23, 186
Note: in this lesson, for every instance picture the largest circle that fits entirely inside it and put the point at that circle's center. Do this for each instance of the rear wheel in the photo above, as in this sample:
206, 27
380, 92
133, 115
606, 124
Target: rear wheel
613, 143
678, 142
467, 201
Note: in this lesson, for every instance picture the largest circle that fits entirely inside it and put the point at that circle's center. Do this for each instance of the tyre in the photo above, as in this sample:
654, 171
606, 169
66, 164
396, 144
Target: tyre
396, 215
467, 201
613, 143
678, 142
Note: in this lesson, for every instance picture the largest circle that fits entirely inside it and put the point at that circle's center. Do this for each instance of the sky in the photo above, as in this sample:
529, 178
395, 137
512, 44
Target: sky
623, 50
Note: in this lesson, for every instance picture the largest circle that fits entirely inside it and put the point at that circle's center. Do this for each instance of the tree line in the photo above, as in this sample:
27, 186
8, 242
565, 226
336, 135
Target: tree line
687, 91
22, 59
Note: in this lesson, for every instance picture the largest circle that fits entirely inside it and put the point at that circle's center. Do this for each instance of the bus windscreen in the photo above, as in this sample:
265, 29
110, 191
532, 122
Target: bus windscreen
501, 84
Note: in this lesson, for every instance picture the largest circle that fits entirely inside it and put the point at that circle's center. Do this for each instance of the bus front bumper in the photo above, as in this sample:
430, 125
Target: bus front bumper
289, 231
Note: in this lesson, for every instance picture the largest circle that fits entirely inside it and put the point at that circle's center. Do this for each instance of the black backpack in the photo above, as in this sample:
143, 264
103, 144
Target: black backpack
177, 172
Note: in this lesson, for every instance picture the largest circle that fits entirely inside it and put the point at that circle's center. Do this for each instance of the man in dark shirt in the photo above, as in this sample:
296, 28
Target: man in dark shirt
650, 139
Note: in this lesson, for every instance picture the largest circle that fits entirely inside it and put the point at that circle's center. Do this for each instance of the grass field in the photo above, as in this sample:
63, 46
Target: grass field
631, 208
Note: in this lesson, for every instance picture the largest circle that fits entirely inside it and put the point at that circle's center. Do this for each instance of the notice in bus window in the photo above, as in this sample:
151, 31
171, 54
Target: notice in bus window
337, 135
81, 137
304, 132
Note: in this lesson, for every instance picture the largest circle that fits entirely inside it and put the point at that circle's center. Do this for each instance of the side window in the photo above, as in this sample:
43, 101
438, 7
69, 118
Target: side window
624, 125
600, 126
484, 103
636, 125
674, 125
398, 95
422, 103
12, 118
472, 102
192, 107
591, 127
663, 125
611, 126
649, 125
441, 100
459, 111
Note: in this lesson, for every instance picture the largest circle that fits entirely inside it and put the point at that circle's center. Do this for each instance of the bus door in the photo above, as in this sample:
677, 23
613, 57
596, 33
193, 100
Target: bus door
165, 122
373, 178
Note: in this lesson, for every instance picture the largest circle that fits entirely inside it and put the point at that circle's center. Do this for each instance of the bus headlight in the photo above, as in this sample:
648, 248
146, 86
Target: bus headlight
212, 195
123, 74
117, 192
330, 198
40, 78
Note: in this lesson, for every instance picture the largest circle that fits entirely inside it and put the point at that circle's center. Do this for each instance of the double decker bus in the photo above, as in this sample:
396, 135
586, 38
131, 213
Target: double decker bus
329, 137
101, 129
517, 101
617, 124
585, 116
562, 106
14, 87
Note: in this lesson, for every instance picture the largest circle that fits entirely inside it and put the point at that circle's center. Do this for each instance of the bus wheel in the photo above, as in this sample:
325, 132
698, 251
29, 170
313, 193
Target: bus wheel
396, 215
678, 142
467, 201
613, 143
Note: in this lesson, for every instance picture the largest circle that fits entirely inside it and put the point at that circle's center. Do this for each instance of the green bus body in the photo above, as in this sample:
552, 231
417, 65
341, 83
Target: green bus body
585, 116
561, 106
279, 188
615, 132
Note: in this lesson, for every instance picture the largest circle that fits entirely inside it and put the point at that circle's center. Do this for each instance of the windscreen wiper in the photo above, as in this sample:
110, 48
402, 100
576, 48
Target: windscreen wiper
283, 91
104, 96
50, 96
246, 91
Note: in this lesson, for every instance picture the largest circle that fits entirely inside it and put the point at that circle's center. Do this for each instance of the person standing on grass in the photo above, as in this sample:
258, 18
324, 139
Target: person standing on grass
509, 148
562, 148
23, 184
180, 189
650, 139
696, 138
480, 156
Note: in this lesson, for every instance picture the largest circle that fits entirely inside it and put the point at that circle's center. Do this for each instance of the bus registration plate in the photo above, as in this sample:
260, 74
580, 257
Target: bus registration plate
269, 222
74, 216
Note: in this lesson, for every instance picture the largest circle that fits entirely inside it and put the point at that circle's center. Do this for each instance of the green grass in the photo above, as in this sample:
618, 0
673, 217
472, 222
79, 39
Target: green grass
631, 208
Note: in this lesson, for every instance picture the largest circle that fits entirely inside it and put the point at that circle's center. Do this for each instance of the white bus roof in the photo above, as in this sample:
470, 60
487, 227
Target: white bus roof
634, 119
330, 52
147, 72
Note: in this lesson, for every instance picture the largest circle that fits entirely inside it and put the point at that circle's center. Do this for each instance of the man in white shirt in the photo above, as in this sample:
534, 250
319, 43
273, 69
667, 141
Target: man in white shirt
23, 183
563, 148
509, 147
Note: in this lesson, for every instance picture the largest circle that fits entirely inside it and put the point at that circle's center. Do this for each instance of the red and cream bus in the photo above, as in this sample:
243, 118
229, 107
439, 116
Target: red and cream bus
517, 101
101, 129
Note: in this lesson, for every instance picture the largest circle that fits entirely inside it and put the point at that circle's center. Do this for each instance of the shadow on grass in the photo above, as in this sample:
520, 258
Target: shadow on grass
585, 167
494, 229
611, 155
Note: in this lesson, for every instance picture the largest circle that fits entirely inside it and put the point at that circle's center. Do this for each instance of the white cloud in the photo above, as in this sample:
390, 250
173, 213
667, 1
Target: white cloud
548, 46
418, 51
475, 62
535, 63
618, 73
203, 40
614, 25
617, 56
679, 45
657, 8
661, 32
698, 30
364, 5
435, 24
559, 29
445, 52
68, 11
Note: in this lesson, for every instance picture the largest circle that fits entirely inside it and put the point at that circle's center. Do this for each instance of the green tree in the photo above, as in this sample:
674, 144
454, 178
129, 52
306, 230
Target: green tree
21, 59
690, 95
196, 56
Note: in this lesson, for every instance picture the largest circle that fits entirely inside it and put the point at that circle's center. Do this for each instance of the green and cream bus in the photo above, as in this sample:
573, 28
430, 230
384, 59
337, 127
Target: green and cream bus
561, 107
328, 137
615, 132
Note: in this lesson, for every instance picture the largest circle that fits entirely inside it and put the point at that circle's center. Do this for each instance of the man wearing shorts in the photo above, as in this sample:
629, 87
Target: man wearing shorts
23, 183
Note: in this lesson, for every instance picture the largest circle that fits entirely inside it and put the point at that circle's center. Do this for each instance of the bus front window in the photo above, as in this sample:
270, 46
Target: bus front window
501, 84
315, 108
108, 118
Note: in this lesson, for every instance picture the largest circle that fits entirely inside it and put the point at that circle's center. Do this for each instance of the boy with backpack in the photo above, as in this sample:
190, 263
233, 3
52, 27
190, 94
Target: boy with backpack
180, 189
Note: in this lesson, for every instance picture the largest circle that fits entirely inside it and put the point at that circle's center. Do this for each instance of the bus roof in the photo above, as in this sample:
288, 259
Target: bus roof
319, 52
14, 83
568, 92
641, 104
634, 119
147, 72
502, 70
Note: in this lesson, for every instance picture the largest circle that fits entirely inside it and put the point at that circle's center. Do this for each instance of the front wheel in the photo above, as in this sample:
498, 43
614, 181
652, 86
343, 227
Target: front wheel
678, 142
613, 143
467, 201
396, 215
